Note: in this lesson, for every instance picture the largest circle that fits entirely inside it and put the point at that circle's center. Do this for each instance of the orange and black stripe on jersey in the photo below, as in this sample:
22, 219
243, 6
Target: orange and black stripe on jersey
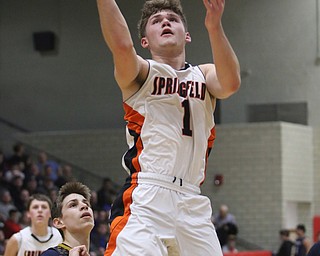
120, 211
134, 125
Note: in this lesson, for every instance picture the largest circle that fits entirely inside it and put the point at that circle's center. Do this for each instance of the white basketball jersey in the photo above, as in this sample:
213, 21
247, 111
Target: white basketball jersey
29, 246
170, 124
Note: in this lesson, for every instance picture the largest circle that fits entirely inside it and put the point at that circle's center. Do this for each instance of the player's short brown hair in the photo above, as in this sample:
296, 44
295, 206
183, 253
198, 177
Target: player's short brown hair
39, 197
67, 189
151, 7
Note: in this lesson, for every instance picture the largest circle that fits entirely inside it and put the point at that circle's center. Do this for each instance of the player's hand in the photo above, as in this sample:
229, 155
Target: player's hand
215, 10
79, 251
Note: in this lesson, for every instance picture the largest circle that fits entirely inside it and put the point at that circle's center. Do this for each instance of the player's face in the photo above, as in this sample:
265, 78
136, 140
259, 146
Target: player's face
39, 212
77, 213
165, 29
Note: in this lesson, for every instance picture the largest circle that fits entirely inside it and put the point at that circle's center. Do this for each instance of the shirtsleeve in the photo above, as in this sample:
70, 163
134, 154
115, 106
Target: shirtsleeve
315, 250
50, 252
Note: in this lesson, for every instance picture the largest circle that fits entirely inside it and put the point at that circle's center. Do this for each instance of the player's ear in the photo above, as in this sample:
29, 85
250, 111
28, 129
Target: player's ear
188, 37
144, 43
58, 223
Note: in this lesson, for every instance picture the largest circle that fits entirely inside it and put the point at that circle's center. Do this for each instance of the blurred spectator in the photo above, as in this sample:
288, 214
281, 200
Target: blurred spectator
99, 238
225, 224
101, 216
3, 169
94, 200
2, 242
303, 244
43, 162
24, 220
13, 172
47, 172
2, 161
6, 204
31, 185
230, 246
11, 225
23, 199
287, 246
19, 156
16, 186
315, 250
106, 194
3, 182
53, 194
65, 175
33, 171
223, 217
46, 186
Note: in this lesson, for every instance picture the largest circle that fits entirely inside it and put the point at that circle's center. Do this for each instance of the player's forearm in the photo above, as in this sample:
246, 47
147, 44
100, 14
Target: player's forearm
114, 27
225, 59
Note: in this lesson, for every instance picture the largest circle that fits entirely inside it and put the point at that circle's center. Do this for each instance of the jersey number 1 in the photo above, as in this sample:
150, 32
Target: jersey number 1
186, 119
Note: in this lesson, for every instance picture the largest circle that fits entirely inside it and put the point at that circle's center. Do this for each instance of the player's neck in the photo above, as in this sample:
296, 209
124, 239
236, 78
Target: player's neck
176, 61
74, 240
39, 230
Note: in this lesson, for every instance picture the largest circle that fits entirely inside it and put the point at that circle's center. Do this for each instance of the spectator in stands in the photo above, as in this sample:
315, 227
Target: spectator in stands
3, 182
225, 224
315, 250
43, 161
24, 220
48, 172
106, 194
65, 175
101, 216
16, 186
47, 186
73, 217
31, 185
302, 244
223, 217
287, 247
11, 225
53, 194
2, 161
33, 171
230, 246
13, 172
19, 156
99, 238
6, 204
37, 237
22, 202
2, 242
94, 200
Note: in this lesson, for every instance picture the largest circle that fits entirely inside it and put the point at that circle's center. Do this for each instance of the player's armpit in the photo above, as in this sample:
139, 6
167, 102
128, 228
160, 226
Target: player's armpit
132, 78
213, 83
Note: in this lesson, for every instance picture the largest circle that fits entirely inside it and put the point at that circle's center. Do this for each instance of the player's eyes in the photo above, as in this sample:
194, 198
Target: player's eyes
72, 205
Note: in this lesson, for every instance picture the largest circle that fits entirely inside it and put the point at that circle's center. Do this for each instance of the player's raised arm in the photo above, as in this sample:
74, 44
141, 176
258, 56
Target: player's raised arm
116, 33
223, 78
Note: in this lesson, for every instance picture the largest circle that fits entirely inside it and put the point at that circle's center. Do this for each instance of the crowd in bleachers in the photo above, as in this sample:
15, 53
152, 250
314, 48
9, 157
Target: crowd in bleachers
22, 175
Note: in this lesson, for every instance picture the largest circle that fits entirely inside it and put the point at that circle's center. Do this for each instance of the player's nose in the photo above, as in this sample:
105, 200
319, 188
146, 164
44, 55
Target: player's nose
166, 22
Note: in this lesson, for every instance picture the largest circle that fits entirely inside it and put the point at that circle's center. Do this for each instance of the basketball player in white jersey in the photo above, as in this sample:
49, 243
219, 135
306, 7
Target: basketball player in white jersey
39, 236
169, 108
